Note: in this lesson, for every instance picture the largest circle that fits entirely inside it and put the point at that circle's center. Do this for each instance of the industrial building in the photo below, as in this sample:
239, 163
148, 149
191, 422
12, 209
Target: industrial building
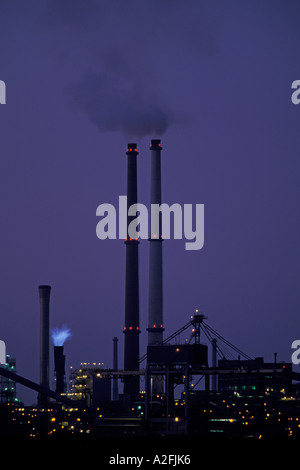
8, 386
254, 377
191, 389
87, 385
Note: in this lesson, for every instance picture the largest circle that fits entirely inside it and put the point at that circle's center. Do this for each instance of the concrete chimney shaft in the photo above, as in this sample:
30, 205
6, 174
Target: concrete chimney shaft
155, 302
131, 327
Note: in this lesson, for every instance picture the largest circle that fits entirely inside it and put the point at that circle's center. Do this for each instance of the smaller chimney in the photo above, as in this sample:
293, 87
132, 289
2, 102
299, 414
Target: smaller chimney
59, 367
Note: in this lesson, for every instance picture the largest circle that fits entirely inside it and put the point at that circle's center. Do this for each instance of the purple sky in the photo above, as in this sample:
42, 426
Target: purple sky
212, 79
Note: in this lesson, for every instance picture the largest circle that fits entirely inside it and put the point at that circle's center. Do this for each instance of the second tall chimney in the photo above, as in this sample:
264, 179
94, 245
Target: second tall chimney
155, 305
155, 302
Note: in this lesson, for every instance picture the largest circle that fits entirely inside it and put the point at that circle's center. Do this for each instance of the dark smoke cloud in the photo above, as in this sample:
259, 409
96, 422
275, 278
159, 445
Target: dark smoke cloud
129, 47
114, 104
117, 58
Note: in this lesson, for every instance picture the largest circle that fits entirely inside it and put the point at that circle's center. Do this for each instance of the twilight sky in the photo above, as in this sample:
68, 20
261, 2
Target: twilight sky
212, 79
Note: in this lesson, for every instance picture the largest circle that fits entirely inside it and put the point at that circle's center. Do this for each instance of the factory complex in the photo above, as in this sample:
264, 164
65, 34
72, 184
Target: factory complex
203, 388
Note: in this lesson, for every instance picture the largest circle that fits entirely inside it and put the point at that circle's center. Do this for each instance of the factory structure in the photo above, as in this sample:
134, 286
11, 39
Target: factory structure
192, 389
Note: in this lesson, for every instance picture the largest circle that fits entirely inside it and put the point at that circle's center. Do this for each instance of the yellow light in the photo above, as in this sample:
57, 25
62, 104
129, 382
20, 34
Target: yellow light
176, 419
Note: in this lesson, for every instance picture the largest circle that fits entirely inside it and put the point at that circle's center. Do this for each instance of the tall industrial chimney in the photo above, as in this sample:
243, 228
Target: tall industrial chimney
131, 327
155, 306
44, 293
155, 302
59, 367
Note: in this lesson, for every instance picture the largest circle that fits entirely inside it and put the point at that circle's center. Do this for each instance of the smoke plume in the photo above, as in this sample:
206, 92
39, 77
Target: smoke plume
116, 104
60, 335
125, 81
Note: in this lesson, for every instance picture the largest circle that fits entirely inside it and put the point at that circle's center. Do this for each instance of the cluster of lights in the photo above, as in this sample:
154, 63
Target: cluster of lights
77, 424
155, 326
132, 150
131, 328
247, 418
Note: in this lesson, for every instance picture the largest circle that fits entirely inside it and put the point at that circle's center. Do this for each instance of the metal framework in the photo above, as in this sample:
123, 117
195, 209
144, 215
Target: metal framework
198, 324
39, 388
160, 413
